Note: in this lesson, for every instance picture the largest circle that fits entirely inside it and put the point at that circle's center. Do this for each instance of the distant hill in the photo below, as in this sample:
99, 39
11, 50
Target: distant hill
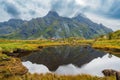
115, 35
52, 26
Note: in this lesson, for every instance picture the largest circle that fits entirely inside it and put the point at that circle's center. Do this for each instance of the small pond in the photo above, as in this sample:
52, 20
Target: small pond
70, 60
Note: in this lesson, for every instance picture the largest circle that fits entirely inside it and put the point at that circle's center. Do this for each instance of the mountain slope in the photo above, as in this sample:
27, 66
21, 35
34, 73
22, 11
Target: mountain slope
52, 26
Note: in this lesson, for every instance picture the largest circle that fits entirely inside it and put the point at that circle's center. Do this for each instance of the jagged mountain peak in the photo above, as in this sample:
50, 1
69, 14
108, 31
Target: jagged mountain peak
79, 15
52, 14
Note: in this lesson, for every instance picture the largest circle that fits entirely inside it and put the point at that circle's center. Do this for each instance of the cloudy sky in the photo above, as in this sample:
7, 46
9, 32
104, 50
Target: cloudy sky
106, 12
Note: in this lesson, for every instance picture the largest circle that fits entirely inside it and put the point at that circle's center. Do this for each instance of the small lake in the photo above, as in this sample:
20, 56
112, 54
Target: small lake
70, 60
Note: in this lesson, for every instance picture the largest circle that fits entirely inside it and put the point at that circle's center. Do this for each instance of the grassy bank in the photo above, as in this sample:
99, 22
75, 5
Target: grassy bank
11, 45
10, 66
57, 77
112, 46
30, 45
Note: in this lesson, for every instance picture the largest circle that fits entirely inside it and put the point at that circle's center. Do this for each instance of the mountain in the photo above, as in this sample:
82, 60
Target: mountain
52, 26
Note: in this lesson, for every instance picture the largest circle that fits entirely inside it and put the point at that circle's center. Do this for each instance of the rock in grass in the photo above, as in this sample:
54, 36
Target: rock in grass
117, 75
109, 72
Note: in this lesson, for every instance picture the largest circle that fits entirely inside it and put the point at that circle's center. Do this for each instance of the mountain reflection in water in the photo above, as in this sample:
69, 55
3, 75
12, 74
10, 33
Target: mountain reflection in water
55, 56
94, 67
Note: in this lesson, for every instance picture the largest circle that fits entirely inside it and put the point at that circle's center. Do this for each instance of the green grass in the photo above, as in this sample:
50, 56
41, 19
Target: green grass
11, 45
111, 45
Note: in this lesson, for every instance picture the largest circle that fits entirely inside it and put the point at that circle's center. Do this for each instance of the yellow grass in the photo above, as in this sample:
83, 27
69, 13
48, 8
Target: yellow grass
56, 77
11, 45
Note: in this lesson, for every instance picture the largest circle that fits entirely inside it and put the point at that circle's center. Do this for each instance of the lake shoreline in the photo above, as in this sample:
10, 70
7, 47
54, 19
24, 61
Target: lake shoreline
23, 51
27, 46
19, 52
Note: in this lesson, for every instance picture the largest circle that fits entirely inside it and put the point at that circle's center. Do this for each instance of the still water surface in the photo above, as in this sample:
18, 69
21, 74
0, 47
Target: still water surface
70, 60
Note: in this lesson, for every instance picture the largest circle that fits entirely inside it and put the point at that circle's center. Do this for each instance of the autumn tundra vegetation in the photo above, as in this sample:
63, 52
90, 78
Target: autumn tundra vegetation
12, 68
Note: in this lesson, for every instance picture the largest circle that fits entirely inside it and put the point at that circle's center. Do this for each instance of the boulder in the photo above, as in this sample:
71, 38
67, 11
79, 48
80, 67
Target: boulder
109, 72
117, 75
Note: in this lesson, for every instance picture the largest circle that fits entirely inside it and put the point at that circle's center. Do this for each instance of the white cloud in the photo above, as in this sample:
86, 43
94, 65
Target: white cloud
4, 16
38, 7
35, 68
100, 11
95, 67
110, 23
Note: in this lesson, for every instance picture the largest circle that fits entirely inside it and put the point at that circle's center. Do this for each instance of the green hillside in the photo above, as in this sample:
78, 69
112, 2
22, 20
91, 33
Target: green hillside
115, 35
